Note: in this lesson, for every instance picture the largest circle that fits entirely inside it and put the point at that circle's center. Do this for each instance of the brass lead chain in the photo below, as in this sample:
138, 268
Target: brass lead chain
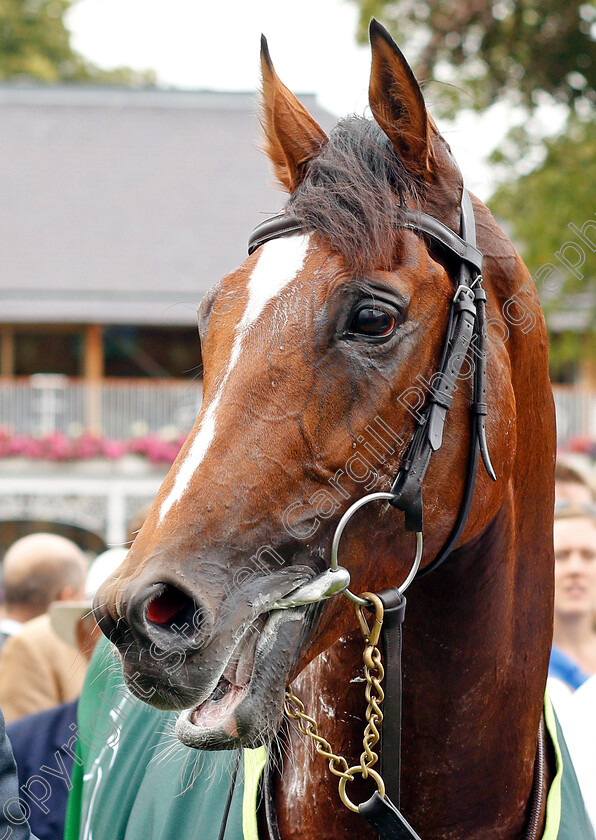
294, 708
374, 697
374, 694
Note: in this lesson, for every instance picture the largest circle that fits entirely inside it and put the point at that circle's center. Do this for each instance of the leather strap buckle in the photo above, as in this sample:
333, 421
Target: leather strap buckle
463, 290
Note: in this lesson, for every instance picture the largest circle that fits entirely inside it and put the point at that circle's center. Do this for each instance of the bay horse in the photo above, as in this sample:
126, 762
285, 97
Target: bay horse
319, 353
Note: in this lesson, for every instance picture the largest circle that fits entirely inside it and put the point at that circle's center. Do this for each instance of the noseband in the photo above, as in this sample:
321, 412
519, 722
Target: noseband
466, 328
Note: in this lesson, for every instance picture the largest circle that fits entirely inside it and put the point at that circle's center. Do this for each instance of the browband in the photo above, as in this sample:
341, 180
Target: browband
286, 225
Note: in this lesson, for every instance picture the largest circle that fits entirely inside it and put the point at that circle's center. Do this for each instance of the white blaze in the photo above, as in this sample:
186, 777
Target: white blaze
280, 261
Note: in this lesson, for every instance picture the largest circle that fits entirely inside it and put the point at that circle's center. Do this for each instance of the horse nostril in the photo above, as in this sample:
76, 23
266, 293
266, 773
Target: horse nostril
172, 609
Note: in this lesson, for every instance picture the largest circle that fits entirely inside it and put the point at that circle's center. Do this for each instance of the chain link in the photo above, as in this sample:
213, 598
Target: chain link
374, 695
294, 708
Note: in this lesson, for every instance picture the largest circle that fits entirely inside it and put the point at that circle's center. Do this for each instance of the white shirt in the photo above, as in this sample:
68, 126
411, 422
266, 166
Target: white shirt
560, 695
10, 627
579, 728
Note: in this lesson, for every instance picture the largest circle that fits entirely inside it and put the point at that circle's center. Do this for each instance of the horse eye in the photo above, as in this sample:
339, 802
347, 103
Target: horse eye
372, 321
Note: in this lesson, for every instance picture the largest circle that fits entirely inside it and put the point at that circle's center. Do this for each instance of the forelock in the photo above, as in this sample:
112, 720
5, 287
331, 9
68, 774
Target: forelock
353, 193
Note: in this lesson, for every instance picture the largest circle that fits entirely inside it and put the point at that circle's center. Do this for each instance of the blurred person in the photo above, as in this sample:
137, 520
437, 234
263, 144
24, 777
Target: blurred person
45, 741
573, 656
37, 570
73, 620
37, 669
571, 486
13, 816
136, 523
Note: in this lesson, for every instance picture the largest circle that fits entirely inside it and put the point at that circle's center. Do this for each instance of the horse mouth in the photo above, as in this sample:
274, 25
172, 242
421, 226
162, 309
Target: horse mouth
218, 708
245, 705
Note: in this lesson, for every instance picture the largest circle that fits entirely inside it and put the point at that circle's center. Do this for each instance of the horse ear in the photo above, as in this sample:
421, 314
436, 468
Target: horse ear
292, 137
396, 101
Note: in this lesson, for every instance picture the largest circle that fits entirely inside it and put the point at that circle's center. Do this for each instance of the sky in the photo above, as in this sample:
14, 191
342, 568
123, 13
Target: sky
215, 45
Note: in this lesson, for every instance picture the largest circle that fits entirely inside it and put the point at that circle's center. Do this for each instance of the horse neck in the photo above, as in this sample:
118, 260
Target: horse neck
476, 641
476, 647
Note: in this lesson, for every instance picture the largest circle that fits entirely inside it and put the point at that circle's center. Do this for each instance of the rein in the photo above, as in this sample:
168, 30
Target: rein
466, 329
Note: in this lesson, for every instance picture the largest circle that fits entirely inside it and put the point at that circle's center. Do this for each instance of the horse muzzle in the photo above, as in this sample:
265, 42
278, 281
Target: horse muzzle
221, 664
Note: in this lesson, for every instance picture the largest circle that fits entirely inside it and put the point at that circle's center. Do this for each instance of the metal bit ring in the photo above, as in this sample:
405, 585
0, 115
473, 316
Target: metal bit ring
387, 497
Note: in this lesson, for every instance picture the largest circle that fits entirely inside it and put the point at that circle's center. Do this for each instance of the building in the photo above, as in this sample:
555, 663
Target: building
119, 209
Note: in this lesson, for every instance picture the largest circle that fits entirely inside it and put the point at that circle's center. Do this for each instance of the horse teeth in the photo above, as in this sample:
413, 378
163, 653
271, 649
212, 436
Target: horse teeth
221, 690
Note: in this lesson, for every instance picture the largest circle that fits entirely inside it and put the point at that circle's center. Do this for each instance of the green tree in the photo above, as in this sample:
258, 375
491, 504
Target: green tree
521, 49
526, 52
540, 206
545, 212
35, 43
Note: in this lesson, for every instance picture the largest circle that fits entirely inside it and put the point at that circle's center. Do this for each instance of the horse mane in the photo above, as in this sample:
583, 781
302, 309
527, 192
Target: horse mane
353, 192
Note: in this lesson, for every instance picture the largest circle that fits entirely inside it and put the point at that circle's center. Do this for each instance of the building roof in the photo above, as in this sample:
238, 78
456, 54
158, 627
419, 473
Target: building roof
125, 206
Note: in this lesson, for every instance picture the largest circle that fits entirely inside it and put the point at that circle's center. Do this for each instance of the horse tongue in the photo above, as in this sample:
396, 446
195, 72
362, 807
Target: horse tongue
214, 713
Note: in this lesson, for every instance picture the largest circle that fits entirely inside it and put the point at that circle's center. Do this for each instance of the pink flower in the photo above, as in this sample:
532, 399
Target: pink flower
56, 447
59, 447
114, 449
580, 443
88, 446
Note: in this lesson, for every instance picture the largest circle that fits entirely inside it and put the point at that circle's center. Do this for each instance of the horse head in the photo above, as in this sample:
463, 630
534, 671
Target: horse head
318, 351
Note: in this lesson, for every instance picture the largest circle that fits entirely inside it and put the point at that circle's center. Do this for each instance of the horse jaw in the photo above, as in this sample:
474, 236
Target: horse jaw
245, 707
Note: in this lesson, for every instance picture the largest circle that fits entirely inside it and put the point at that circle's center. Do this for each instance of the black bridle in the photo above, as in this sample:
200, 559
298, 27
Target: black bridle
466, 329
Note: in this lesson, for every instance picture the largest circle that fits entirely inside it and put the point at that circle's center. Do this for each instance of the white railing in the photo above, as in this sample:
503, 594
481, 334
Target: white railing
121, 409
117, 409
576, 412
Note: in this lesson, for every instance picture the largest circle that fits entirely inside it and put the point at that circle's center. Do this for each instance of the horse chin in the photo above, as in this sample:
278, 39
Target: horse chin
245, 708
